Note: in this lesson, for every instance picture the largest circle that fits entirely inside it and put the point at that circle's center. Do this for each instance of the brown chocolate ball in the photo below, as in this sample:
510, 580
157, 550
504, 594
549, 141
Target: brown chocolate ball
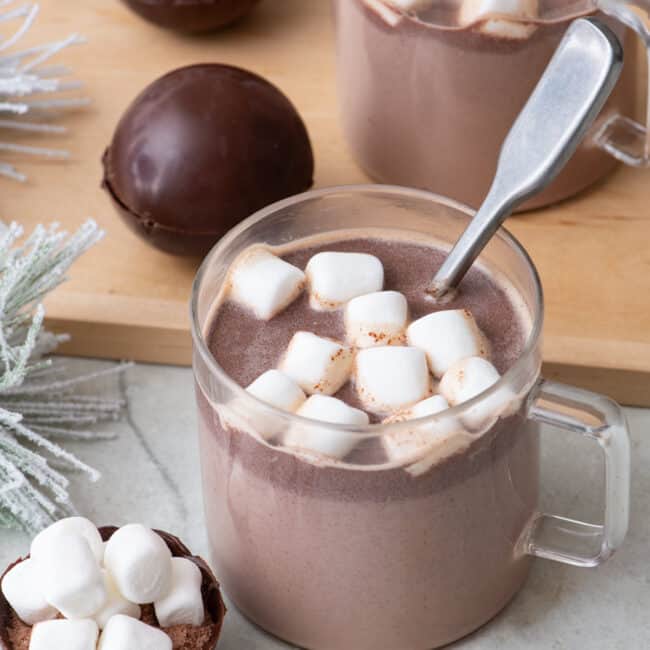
192, 15
200, 149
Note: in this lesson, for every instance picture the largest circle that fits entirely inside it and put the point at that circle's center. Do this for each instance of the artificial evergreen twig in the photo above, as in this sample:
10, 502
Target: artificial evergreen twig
27, 83
39, 407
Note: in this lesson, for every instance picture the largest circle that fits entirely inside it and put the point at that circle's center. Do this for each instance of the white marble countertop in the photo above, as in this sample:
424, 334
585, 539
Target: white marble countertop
150, 474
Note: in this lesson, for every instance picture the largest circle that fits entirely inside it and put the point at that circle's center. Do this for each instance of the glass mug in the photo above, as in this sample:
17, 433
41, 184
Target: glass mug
411, 554
426, 102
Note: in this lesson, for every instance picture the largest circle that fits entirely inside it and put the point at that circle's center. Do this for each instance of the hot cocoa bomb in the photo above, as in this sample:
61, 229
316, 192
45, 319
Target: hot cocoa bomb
191, 15
200, 149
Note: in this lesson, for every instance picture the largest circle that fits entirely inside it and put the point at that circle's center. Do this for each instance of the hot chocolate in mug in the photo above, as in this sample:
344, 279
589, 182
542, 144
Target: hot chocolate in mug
428, 95
373, 551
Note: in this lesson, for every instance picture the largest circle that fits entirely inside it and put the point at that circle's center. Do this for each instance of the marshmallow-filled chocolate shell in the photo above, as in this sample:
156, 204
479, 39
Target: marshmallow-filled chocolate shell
191, 15
15, 635
200, 149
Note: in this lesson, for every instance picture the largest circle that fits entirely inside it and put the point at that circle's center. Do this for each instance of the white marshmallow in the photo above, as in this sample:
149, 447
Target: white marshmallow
275, 388
64, 635
467, 379
22, 587
72, 580
183, 604
474, 11
376, 319
265, 283
406, 445
446, 337
317, 364
115, 604
70, 526
125, 633
391, 378
411, 5
335, 278
323, 441
279, 390
389, 14
140, 563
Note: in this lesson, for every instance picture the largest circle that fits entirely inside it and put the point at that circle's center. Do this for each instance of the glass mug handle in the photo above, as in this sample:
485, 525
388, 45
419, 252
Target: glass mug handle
621, 136
602, 420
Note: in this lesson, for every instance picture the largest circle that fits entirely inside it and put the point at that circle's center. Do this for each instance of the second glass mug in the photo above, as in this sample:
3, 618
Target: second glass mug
427, 103
410, 555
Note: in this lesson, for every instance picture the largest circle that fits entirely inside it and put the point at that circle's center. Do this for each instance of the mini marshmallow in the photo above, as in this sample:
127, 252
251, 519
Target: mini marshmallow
391, 378
279, 390
125, 633
474, 11
467, 379
323, 441
376, 319
140, 563
446, 337
22, 588
404, 444
64, 635
411, 5
70, 526
265, 283
183, 604
115, 604
317, 364
72, 580
335, 278
275, 388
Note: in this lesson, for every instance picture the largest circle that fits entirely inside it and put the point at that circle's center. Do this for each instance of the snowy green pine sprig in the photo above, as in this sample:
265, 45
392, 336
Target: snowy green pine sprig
39, 407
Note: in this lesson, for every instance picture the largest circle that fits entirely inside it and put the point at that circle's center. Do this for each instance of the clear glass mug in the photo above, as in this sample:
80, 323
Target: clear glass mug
408, 555
427, 102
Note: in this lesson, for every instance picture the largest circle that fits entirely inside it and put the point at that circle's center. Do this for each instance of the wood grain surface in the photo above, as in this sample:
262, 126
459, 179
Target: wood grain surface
125, 300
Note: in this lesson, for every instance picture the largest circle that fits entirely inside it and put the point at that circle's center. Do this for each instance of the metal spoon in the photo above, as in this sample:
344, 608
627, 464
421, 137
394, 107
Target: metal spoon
566, 101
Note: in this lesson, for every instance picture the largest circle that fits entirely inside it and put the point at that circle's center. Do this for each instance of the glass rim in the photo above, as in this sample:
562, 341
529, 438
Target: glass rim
376, 429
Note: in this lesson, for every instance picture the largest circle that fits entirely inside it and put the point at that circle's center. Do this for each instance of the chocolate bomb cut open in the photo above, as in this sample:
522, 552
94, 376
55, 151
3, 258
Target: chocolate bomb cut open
193, 16
200, 149
15, 635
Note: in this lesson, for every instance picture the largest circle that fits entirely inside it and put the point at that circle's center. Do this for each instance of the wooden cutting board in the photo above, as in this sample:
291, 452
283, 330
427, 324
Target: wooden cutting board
125, 300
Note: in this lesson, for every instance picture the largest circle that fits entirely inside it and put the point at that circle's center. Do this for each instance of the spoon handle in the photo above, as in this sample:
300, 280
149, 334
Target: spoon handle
566, 101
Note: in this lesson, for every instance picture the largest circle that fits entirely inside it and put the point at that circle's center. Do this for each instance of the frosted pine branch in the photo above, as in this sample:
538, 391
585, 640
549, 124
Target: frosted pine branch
30, 84
39, 406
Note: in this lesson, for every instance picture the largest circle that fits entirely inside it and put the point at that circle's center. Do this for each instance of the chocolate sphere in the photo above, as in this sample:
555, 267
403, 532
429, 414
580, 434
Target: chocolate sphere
199, 150
192, 15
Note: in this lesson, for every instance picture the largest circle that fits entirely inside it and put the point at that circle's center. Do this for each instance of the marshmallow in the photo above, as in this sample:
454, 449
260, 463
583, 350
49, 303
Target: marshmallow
411, 5
391, 378
140, 563
376, 319
274, 388
474, 11
22, 588
389, 14
72, 580
183, 604
335, 278
70, 526
64, 635
446, 337
115, 604
404, 444
323, 441
467, 379
317, 364
279, 390
125, 633
265, 283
